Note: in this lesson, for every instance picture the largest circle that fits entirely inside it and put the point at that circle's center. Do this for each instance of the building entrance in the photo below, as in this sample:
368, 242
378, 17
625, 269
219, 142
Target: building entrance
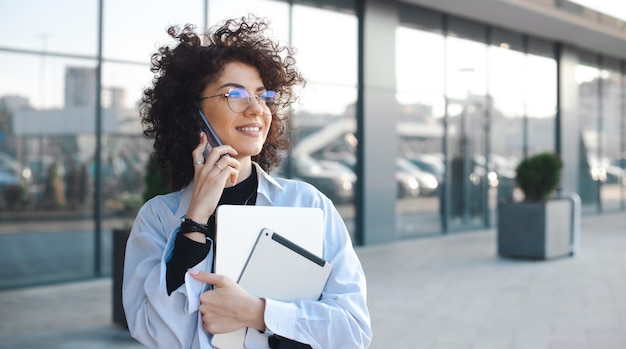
468, 175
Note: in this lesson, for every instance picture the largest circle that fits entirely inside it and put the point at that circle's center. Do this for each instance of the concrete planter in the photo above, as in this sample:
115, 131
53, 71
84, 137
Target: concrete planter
535, 230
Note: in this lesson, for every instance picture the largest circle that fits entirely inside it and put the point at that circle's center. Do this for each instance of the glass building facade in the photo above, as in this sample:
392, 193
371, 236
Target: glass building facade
412, 120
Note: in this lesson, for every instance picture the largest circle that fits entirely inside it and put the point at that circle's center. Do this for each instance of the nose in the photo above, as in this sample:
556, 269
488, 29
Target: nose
255, 107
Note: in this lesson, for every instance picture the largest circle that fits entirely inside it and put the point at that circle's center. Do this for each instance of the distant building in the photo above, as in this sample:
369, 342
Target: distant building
80, 87
14, 103
113, 97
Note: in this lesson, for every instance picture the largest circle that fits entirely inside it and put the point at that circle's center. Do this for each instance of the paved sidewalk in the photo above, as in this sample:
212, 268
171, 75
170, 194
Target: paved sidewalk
449, 292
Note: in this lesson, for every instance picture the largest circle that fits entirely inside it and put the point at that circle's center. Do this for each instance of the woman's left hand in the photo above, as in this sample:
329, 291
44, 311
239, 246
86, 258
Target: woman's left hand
228, 307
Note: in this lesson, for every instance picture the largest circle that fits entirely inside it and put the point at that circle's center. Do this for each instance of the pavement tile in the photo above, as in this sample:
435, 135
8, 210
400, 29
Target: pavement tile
445, 292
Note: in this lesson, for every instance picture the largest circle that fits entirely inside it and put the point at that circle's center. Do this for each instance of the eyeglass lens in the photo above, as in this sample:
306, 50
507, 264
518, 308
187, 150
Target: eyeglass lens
239, 100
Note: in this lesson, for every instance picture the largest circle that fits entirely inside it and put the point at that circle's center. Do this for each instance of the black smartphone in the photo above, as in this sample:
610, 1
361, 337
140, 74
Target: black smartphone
214, 140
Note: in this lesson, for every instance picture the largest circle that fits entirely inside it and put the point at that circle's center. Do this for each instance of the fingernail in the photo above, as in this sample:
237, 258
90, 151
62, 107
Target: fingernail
193, 271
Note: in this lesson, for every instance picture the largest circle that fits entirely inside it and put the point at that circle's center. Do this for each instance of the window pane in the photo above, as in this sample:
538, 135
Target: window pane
466, 109
321, 59
127, 39
324, 152
507, 71
41, 79
587, 77
276, 11
125, 151
46, 169
541, 99
64, 26
610, 173
421, 104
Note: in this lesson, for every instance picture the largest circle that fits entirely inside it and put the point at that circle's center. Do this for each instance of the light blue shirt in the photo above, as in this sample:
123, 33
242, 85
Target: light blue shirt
339, 320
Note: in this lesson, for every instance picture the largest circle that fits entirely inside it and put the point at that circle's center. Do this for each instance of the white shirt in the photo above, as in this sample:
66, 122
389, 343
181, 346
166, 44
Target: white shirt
158, 320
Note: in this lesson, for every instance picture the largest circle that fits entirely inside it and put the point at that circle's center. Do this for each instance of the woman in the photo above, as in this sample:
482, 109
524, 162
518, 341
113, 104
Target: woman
240, 83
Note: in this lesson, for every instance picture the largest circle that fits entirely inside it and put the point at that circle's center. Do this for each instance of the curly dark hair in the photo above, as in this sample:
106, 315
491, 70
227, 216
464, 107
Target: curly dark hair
169, 109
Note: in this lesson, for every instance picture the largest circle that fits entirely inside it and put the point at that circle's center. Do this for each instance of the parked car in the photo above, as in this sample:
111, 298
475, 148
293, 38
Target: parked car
430, 164
608, 172
330, 177
408, 185
618, 168
427, 182
12, 172
7, 179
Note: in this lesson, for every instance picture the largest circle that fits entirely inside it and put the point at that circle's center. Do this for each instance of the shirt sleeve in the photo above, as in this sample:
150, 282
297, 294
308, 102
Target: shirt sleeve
156, 319
340, 319
186, 254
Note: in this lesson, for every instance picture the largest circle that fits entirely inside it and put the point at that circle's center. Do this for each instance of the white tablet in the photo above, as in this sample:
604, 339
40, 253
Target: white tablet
282, 270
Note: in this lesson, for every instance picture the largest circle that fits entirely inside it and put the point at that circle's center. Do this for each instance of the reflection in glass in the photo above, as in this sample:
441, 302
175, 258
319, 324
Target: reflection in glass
324, 118
541, 90
42, 80
506, 114
320, 56
47, 136
420, 110
61, 27
324, 149
468, 181
620, 161
276, 11
125, 40
610, 170
47, 124
125, 151
588, 77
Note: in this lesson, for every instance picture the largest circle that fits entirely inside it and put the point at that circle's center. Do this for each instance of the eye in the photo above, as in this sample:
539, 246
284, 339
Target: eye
268, 95
238, 93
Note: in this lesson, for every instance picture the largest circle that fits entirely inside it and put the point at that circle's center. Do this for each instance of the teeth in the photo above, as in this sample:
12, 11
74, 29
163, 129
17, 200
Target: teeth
249, 129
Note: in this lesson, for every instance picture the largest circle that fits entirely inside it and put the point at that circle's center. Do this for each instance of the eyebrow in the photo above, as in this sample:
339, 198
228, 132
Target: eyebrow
232, 84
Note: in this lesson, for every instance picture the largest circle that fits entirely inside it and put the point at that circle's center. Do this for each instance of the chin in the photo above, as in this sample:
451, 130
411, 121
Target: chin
250, 151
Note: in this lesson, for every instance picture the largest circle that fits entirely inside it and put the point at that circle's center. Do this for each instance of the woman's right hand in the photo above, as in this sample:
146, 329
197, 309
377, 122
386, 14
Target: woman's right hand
210, 178
228, 307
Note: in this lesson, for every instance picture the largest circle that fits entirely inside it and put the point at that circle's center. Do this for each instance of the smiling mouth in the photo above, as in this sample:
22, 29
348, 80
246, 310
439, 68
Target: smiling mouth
249, 129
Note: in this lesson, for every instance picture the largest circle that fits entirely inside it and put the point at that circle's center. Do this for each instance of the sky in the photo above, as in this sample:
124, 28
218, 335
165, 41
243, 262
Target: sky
615, 8
131, 39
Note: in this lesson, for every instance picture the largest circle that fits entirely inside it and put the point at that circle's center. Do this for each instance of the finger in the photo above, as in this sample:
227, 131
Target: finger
198, 153
233, 178
230, 168
218, 152
227, 161
209, 278
234, 170
227, 173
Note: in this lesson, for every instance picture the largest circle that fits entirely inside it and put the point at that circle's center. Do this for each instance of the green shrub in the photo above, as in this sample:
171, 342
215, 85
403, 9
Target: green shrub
539, 175
156, 180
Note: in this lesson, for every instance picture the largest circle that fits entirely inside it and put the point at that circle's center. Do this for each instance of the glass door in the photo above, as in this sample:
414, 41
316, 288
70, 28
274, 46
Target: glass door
467, 183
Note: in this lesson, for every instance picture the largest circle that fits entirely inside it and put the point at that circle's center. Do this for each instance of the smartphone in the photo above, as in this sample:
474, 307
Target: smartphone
214, 140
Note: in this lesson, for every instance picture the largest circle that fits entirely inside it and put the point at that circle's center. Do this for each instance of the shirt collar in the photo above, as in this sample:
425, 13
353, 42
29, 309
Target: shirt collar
267, 185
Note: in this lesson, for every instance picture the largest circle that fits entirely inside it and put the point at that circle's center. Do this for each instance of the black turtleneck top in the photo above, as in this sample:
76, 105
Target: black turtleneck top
187, 253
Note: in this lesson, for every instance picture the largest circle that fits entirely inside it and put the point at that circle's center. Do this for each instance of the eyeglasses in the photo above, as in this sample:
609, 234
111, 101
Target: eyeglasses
239, 100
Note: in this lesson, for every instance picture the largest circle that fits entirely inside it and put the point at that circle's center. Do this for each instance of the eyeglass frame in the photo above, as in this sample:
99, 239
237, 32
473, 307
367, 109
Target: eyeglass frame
249, 99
